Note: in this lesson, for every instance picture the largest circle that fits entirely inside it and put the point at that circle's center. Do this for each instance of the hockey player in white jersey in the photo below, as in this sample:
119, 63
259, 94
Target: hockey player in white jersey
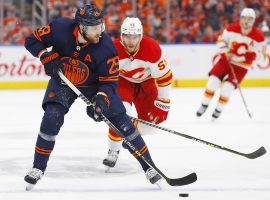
145, 80
239, 46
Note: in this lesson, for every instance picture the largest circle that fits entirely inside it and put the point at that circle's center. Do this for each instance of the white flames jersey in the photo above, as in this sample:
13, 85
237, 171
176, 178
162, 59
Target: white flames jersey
147, 62
236, 45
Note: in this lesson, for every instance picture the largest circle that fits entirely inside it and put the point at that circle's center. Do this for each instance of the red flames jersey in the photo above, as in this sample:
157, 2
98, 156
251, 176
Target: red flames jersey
233, 42
147, 62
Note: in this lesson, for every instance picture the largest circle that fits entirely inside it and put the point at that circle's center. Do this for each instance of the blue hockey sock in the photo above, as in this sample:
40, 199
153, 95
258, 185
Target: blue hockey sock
139, 143
43, 151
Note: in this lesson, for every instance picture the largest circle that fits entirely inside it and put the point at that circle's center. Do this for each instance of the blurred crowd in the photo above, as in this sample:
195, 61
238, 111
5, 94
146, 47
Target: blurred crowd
14, 28
190, 21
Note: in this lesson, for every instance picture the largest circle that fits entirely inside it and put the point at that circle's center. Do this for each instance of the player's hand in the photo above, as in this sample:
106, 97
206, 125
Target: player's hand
52, 63
250, 57
101, 104
159, 111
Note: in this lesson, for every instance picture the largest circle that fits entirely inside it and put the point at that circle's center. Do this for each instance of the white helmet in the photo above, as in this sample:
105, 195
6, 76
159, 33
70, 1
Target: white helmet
132, 25
248, 12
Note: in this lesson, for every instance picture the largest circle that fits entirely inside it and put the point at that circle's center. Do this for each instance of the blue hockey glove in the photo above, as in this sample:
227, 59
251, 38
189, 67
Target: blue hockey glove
52, 63
101, 105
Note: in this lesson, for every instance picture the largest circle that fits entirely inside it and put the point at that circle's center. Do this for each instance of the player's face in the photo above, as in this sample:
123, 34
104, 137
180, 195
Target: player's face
131, 42
246, 23
93, 33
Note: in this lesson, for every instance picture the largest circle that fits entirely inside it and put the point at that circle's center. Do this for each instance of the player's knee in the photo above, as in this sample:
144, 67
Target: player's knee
125, 126
227, 89
213, 83
53, 119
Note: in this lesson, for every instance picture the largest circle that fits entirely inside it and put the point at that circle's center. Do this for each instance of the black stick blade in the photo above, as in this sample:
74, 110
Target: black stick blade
261, 151
191, 178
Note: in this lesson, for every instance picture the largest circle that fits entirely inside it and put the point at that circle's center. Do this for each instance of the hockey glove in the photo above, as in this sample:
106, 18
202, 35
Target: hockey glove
159, 111
52, 63
101, 104
250, 57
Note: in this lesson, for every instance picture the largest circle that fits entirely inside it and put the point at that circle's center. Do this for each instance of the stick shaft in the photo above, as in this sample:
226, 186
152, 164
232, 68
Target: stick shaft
173, 182
260, 153
240, 91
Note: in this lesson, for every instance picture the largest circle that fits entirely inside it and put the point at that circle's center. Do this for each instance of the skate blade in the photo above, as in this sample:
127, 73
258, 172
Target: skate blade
213, 119
107, 169
29, 186
159, 185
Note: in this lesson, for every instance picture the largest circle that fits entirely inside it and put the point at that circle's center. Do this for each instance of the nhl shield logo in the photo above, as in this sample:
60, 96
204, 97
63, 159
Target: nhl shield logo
82, 11
75, 70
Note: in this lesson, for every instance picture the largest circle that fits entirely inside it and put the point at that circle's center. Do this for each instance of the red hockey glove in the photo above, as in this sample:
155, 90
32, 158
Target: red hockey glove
250, 57
159, 111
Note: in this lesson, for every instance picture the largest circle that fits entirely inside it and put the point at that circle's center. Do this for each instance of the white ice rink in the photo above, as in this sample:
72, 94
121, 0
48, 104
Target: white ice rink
75, 170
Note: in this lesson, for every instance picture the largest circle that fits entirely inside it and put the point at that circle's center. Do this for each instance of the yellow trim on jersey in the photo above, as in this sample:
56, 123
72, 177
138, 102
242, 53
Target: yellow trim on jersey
168, 73
162, 82
114, 138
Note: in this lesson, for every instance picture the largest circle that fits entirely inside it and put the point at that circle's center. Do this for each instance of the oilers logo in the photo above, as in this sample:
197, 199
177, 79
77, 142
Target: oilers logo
76, 71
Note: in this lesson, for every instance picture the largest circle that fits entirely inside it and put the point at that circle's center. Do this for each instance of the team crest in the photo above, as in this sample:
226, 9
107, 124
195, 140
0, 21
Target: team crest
76, 71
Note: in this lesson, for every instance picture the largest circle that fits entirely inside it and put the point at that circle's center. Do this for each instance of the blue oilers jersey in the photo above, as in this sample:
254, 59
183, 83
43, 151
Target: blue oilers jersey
93, 66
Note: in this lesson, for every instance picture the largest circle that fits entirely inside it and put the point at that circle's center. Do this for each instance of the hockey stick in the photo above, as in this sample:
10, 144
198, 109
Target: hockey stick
240, 91
173, 182
261, 151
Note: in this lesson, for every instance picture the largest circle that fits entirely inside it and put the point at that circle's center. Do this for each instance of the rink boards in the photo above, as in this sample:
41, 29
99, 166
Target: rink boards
190, 64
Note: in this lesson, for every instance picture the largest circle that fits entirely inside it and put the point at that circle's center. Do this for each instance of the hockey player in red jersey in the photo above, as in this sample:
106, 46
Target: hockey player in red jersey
240, 45
144, 81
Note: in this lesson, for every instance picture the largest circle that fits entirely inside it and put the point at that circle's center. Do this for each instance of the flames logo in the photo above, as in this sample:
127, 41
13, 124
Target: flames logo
76, 71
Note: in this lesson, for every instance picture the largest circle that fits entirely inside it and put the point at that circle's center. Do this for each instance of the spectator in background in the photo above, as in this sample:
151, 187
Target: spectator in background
266, 32
14, 28
209, 35
189, 19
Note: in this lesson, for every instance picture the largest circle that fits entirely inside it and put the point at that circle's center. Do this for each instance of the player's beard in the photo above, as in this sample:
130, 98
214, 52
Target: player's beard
131, 48
95, 39
88, 38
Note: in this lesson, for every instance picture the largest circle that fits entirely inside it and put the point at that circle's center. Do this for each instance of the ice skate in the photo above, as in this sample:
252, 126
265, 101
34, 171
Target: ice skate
216, 114
201, 110
111, 159
32, 177
153, 176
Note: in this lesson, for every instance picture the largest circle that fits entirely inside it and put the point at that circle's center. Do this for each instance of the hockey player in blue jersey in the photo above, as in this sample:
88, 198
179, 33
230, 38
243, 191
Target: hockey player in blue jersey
88, 58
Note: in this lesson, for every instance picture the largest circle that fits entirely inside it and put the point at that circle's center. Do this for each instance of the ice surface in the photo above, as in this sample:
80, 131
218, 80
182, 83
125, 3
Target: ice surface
75, 170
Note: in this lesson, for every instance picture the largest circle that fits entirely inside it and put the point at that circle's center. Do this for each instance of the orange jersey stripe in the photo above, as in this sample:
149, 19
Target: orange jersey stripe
36, 34
142, 151
209, 93
43, 151
113, 136
223, 100
110, 78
